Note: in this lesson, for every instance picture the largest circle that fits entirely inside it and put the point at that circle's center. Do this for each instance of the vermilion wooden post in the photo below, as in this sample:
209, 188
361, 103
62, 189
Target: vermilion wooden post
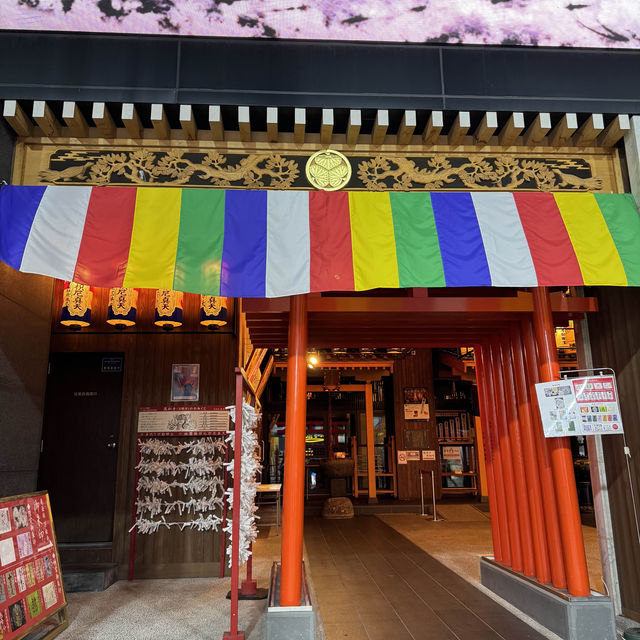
531, 466
561, 458
482, 382
294, 455
552, 526
518, 457
501, 500
513, 519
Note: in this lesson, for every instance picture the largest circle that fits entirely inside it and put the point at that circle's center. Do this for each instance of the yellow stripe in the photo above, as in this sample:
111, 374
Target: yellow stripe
373, 241
154, 239
595, 249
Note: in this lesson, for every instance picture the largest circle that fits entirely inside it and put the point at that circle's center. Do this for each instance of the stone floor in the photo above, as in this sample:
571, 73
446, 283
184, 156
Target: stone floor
373, 583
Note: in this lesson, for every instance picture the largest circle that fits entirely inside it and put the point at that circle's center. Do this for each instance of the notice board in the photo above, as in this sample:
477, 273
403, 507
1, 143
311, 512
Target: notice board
31, 590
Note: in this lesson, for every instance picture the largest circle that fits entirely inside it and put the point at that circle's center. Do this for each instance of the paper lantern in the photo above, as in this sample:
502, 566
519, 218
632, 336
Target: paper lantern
213, 311
76, 305
123, 305
168, 309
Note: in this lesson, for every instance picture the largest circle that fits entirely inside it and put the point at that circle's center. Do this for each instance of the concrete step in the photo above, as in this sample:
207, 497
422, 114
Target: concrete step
88, 577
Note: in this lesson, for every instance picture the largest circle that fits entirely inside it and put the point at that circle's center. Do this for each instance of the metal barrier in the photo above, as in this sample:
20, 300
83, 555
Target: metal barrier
433, 492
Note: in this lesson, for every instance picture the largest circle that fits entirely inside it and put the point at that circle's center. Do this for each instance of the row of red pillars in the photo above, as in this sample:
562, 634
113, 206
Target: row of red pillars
535, 517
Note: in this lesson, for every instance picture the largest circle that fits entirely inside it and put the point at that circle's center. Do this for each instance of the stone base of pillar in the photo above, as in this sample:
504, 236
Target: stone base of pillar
590, 618
285, 623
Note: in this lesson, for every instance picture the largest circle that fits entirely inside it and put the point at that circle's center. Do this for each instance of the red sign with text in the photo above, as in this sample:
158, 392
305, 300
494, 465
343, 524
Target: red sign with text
30, 580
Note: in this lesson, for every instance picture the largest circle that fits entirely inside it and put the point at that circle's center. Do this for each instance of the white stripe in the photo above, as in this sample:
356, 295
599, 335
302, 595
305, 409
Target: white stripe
54, 239
288, 253
504, 241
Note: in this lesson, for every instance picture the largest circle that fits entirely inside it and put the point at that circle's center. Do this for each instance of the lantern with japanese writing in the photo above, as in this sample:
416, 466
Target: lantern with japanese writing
123, 305
76, 305
168, 309
213, 311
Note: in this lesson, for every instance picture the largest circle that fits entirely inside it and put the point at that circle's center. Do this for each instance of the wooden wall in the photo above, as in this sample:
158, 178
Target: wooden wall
615, 343
415, 371
149, 353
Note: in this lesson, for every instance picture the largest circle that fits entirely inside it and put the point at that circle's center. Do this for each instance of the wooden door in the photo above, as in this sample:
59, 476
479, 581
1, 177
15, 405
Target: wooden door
80, 443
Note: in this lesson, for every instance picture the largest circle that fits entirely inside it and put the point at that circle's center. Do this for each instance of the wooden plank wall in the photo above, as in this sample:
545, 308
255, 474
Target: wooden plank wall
415, 371
615, 343
149, 354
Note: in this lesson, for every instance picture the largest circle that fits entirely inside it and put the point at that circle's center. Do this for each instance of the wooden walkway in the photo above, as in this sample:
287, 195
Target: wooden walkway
373, 584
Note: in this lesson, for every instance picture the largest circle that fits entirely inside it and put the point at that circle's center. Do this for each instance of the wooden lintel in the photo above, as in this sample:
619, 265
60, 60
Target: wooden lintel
380, 127
76, 122
272, 124
537, 130
615, 130
18, 120
103, 120
434, 127
590, 129
326, 126
562, 132
244, 124
131, 120
299, 125
353, 127
188, 122
511, 130
459, 128
407, 127
215, 123
159, 122
486, 128
46, 119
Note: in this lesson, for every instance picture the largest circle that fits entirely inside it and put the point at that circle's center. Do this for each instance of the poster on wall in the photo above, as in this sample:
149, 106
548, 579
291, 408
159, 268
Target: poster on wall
579, 406
30, 579
187, 421
416, 403
185, 382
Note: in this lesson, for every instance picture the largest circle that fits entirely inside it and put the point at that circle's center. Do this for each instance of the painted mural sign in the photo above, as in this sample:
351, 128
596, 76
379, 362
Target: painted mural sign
186, 421
579, 407
30, 579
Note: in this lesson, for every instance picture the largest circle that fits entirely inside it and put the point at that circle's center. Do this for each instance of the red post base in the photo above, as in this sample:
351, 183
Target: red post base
248, 587
229, 635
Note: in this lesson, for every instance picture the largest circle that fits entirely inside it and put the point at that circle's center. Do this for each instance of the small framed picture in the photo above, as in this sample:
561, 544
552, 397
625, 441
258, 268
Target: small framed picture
185, 382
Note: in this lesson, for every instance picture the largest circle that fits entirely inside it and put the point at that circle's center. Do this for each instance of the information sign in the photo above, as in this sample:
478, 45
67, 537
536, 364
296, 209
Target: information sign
30, 579
187, 421
579, 406
452, 453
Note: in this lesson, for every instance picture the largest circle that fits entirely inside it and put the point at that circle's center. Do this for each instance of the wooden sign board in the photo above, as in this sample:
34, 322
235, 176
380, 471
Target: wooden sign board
182, 421
31, 590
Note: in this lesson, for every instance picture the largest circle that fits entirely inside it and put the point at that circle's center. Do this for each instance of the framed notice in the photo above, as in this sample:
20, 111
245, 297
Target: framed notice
187, 421
429, 454
413, 456
416, 403
402, 457
451, 453
579, 406
31, 588
185, 382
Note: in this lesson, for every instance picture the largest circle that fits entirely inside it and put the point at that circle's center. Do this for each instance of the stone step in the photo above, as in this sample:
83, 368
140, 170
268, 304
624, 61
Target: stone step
89, 577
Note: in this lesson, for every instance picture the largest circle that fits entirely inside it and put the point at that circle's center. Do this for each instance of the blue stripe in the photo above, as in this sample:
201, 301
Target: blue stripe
244, 253
18, 206
463, 256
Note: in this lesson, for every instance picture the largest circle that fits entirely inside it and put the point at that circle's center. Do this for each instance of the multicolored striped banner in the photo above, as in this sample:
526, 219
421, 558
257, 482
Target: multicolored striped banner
278, 243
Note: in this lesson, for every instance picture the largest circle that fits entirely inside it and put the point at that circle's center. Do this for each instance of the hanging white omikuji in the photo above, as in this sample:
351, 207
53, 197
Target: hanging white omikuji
250, 466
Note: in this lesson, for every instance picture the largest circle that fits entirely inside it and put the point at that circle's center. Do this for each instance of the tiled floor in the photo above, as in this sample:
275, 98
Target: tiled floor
372, 583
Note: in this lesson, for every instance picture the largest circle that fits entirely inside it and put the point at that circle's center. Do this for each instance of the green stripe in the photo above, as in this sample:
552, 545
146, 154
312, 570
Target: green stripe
199, 255
620, 214
417, 246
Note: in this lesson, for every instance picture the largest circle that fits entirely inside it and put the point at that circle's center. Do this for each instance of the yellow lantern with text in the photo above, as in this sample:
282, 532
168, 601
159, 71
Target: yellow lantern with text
213, 311
123, 306
168, 309
76, 305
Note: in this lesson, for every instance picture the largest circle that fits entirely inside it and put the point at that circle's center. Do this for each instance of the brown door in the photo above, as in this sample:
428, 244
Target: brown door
80, 443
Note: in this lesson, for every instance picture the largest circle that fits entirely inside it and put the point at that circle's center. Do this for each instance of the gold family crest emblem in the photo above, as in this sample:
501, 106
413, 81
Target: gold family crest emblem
328, 170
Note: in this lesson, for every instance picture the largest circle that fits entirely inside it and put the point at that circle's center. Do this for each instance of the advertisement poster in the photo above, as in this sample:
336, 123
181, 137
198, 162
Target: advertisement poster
30, 579
416, 403
185, 382
579, 407
188, 421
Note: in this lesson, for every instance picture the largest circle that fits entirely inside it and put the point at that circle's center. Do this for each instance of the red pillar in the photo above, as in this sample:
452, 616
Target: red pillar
552, 526
294, 455
531, 466
518, 458
561, 458
489, 452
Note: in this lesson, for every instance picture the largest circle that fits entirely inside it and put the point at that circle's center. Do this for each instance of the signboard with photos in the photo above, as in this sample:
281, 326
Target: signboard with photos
584, 406
31, 589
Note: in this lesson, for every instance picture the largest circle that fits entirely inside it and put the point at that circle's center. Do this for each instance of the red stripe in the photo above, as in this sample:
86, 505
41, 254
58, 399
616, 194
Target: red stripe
330, 241
553, 256
104, 248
